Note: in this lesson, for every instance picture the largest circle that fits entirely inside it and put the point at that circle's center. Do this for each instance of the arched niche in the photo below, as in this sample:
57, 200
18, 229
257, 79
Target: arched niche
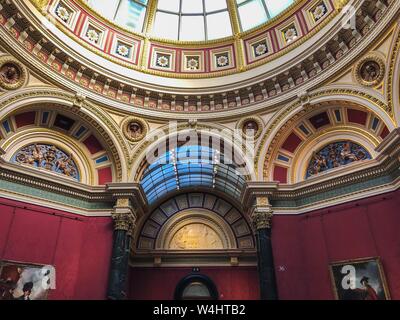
66, 132
310, 129
227, 226
102, 126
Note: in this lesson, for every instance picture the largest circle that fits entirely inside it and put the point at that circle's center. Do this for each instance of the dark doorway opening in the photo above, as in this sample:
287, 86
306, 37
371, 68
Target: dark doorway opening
196, 287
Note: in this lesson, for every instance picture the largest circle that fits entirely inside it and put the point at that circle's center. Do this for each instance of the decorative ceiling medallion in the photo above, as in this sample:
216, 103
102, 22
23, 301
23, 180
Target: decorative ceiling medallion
135, 129
251, 126
370, 70
319, 11
12, 73
193, 61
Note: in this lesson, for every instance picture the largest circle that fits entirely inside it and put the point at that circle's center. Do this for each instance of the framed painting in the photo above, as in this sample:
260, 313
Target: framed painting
20, 281
361, 279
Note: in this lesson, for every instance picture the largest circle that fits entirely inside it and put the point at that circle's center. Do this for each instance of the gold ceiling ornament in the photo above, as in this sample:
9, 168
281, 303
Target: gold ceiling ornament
134, 129
41, 5
13, 74
253, 123
370, 70
196, 236
340, 4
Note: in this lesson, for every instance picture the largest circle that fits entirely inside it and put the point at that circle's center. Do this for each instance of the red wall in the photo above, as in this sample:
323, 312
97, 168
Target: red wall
304, 245
233, 283
79, 247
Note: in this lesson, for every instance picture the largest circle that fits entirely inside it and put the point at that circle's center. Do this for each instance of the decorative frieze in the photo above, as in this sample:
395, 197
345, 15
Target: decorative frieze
48, 157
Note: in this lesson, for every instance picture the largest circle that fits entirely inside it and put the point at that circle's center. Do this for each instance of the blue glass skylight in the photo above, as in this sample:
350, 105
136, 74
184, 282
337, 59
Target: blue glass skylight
190, 167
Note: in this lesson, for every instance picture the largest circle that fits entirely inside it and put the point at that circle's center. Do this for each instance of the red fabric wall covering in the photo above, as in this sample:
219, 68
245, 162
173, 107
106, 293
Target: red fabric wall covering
79, 247
25, 119
304, 245
233, 283
361, 229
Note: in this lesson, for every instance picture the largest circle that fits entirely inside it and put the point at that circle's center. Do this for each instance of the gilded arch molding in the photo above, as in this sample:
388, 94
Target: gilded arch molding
80, 108
393, 78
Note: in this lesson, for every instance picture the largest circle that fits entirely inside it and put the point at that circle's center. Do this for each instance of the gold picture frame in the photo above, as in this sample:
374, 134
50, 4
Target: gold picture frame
359, 279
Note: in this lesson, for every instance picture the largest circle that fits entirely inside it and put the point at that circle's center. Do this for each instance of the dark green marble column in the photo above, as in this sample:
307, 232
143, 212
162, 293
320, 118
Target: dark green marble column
262, 218
124, 223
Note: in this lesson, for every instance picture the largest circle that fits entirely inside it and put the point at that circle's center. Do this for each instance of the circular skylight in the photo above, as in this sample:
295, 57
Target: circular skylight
190, 20
126, 13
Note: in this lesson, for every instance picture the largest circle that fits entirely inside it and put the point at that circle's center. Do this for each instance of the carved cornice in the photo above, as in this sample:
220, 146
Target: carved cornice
30, 177
385, 165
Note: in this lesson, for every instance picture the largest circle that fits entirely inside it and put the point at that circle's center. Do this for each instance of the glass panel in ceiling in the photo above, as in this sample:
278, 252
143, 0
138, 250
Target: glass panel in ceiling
197, 19
253, 13
190, 167
126, 13
189, 20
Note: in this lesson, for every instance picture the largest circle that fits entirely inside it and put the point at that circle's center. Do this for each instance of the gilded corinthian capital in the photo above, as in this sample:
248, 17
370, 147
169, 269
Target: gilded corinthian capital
121, 220
124, 216
262, 218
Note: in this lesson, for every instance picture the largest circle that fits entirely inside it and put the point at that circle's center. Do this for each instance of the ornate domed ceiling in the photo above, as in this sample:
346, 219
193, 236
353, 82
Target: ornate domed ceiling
189, 39
124, 64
